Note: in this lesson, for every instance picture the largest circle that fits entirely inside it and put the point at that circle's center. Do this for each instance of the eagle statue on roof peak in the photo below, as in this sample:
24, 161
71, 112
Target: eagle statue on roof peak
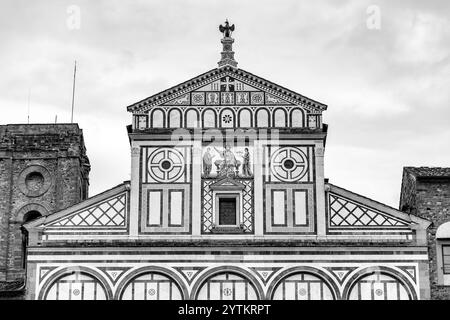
227, 29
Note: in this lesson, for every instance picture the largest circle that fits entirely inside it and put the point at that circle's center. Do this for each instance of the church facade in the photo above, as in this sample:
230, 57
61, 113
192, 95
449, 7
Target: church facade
227, 200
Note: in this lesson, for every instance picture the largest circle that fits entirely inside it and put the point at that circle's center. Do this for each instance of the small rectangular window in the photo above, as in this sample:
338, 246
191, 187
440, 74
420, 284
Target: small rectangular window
446, 259
227, 211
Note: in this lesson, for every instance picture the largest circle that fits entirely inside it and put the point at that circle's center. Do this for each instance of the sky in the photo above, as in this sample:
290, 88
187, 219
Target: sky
382, 67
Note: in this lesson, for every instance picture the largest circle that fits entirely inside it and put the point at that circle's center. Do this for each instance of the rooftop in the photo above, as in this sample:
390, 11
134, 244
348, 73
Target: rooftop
428, 172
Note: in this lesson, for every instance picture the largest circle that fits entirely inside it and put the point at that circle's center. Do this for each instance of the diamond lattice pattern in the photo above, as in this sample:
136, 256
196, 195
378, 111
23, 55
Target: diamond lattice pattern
344, 213
247, 197
110, 213
207, 206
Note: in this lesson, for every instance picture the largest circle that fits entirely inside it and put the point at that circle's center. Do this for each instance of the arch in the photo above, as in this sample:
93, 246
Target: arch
151, 270
191, 118
61, 274
227, 123
175, 118
443, 231
262, 118
157, 118
245, 118
209, 118
381, 270
231, 270
279, 118
29, 216
297, 117
327, 280
20, 216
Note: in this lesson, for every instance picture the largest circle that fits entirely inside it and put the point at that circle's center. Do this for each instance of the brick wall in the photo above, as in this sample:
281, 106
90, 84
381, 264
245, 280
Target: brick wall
428, 197
56, 155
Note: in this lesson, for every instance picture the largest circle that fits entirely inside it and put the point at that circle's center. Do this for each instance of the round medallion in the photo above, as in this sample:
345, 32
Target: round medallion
34, 181
197, 98
76, 292
289, 164
257, 98
166, 164
227, 292
378, 292
151, 292
302, 292
227, 118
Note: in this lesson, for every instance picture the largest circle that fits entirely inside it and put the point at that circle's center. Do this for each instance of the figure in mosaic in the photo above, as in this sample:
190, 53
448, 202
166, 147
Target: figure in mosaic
246, 164
207, 162
228, 166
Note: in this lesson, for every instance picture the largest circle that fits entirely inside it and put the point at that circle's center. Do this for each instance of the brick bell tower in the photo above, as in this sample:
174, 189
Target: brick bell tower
43, 169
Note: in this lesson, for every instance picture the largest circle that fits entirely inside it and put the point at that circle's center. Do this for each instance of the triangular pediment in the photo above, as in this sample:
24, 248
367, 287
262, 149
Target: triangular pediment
227, 184
226, 86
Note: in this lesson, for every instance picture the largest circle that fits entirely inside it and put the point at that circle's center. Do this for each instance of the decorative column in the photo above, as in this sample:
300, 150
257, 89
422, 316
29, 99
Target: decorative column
134, 191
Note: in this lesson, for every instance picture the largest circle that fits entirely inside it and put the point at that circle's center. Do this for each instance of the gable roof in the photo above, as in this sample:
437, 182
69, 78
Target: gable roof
75, 209
217, 73
378, 206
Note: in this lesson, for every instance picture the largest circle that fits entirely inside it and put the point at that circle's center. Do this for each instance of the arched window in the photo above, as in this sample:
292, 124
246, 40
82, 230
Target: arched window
76, 286
245, 118
378, 286
262, 118
152, 286
29, 216
302, 286
443, 254
192, 119
209, 118
157, 119
174, 118
297, 118
279, 118
227, 286
227, 118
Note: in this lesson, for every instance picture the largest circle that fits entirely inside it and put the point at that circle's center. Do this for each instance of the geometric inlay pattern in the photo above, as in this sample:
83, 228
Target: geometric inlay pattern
189, 273
410, 271
44, 271
109, 213
207, 214
341, 273
289, 164
247, 205
166, 165
265, 273
345, 213
114, 274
